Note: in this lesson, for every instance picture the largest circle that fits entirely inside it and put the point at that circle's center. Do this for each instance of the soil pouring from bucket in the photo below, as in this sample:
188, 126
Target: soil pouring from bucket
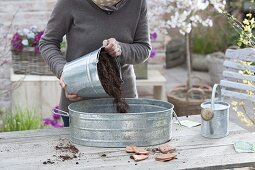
111, 82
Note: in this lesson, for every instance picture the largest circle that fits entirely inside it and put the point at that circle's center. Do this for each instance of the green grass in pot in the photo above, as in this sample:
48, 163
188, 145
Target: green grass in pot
21, 119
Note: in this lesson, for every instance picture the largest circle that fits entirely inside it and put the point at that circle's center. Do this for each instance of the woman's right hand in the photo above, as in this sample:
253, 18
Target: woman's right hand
71, 97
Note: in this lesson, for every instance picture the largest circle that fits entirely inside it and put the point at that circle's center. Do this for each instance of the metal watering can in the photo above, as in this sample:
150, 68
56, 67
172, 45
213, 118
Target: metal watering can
81, 75
215, 116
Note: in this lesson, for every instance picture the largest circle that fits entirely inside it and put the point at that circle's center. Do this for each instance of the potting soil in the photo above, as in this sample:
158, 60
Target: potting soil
109, 76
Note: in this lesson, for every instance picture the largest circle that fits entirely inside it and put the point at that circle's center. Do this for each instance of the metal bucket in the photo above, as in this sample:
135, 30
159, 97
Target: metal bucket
96, 123
81, 75
215, 116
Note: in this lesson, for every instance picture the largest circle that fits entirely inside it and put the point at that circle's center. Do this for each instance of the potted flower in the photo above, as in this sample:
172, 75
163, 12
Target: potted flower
212, 41
26, 38
26, 58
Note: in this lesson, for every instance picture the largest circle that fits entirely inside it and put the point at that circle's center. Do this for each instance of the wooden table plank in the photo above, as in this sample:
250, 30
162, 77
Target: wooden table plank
28, 150
180, 130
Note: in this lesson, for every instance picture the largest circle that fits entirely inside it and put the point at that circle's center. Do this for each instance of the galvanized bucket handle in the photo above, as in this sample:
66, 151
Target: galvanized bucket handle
65, 115
119, 67
176, 117
216, 89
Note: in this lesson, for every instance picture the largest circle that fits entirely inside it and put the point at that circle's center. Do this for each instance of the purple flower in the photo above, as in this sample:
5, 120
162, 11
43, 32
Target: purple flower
16, 42
55, 124
54, 120
37, 38
153, 36
56, 108
153, 53
47, 121
56, 116
26, 38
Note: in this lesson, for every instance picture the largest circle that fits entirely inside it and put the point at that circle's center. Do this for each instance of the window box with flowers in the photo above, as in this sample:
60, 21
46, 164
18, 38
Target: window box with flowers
26, 58
141, 70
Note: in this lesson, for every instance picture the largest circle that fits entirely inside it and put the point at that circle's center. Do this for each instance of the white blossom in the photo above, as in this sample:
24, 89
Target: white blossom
181, 14
25, 42
26, 31
31, 35
33, 29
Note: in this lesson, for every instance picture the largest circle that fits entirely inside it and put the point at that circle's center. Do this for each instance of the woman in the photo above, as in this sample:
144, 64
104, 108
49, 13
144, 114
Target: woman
119, 25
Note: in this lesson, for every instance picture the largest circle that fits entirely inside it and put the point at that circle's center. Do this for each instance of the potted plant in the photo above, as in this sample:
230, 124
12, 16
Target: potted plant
185, 15
207, 41
26, 58
21, 119
209, 45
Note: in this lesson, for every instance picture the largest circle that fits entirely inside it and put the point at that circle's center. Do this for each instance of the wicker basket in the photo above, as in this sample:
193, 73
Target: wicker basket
187, 102
204, 87
184, 105
29, 62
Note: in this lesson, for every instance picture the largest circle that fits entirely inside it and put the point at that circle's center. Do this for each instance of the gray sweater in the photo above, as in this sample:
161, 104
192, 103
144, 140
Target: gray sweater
86, 26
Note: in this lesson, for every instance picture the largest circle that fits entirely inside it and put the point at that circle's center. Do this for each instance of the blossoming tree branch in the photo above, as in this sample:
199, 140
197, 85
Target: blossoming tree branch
184, 15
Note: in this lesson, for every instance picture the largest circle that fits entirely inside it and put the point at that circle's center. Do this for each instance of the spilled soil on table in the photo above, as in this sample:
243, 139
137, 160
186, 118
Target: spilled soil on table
111, 81
48, 161
65, 151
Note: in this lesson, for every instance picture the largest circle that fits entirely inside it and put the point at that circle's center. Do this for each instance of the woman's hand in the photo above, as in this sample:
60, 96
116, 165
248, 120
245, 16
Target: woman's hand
71, 97
112, 47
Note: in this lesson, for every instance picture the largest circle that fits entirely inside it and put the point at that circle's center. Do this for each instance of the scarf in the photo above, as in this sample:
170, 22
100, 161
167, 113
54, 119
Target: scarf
110, 5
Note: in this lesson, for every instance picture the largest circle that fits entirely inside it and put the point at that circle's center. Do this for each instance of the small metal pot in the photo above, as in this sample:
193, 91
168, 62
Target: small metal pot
81, 75
215, 116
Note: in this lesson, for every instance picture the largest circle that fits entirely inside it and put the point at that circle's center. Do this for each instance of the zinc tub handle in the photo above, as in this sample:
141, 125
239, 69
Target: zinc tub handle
65, 115
176, 117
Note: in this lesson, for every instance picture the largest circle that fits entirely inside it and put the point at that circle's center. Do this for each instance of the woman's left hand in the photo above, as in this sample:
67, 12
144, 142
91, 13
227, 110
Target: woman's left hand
112, 47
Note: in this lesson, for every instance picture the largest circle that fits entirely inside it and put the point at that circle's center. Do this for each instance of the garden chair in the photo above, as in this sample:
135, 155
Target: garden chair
238, 75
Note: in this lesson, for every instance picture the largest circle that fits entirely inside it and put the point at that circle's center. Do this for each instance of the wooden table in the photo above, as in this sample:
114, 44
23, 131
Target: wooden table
29, 149
158, 81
